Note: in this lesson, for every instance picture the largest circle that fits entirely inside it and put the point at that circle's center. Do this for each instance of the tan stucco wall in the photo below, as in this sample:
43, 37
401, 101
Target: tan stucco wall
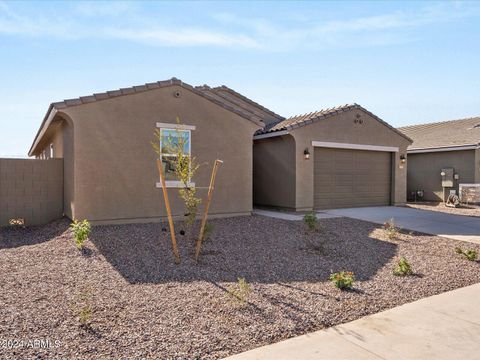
274, 172
342, 129
424, 171
477, 166
31, 190
60, 134
114, 165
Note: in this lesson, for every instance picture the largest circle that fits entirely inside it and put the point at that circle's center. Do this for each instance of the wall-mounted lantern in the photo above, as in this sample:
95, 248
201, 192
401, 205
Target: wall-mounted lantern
306, 154
403, 159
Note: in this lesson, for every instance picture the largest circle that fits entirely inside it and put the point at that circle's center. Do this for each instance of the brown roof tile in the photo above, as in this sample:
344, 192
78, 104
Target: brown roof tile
240, 99
444, 134
297, 121
227, 104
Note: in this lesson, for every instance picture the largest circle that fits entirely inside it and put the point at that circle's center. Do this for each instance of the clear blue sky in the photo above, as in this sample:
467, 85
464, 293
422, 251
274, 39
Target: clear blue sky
407, 62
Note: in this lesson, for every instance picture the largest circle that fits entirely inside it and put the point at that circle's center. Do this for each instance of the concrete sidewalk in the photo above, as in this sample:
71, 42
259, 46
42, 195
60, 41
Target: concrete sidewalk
458, 227
290, 216
445, 326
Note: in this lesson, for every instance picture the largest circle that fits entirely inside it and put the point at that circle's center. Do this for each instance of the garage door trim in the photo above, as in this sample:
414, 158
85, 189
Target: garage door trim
336, 145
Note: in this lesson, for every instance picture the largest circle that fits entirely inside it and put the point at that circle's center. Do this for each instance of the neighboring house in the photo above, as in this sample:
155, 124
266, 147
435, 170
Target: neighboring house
333, 158
110, 171
450, 144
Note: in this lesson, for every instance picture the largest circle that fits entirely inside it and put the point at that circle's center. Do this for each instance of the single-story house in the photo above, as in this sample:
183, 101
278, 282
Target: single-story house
333, 158
110, 170
443, 145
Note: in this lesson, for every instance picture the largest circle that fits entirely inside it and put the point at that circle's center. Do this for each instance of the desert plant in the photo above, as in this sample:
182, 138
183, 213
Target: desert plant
391, 230
403, 268
240, 291
208, 230
185, 168
343, 279
81, 230
311, 221
82, 308
470, 255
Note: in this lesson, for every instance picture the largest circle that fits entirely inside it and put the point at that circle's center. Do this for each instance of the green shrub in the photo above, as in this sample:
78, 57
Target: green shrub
240, 291
208, 230
403, 268
343, 279
81, 230
470, 255
391, 230
311, 221
82, 308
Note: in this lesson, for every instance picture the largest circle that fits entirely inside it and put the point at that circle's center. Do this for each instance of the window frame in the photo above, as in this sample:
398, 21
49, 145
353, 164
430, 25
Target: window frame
180, 128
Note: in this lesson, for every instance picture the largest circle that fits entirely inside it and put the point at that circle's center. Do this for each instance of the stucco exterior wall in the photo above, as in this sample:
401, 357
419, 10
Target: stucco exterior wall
341, 128
114, 165
60, 134
31, 190
424, 171
274, 172
477, 166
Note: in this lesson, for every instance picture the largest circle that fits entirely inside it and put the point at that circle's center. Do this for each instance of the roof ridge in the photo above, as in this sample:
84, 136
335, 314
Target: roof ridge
81, 100
252, 102
302, 120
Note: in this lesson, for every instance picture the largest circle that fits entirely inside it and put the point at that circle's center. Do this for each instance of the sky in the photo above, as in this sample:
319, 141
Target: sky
407, 62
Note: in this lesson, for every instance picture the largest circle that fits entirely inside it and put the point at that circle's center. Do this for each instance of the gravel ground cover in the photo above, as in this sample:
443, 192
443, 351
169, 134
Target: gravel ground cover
467, 210
144, 306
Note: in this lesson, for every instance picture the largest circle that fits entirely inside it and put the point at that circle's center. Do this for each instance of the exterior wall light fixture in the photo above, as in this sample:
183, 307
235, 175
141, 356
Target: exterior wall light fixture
306, 154
403, 159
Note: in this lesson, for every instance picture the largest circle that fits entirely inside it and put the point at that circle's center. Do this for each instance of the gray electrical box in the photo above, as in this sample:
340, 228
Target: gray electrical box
447, 177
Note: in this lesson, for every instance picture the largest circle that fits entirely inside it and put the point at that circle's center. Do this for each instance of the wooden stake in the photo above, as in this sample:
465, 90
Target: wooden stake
207, 206
169, 212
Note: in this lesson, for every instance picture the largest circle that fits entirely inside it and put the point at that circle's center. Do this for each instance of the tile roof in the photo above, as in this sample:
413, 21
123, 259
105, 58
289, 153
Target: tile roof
231, 94
223, 102
306, 119
444, 134
238, 104
250, 107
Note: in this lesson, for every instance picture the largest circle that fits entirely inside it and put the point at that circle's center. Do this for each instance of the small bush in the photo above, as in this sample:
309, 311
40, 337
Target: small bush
240, 291
82, 308
403, 268
208, 230
81, 230
470, 255
343, 279
311, 221
391, 230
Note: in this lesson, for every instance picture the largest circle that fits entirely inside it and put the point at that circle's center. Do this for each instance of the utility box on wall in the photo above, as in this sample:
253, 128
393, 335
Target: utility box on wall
447, 177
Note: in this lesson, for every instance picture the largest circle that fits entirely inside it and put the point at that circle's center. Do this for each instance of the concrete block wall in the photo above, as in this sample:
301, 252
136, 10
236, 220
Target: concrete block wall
31, 190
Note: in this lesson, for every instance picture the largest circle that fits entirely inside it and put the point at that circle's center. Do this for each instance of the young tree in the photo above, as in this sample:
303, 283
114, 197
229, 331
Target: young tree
183, 165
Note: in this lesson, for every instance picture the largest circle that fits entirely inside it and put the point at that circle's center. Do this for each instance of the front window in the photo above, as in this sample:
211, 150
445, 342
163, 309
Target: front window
170, 141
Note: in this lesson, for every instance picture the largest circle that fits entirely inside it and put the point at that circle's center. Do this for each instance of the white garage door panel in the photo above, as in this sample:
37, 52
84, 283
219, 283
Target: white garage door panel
351, 178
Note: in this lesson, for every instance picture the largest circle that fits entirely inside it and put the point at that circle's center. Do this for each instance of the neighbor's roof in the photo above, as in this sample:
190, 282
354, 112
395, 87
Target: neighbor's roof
238, 104
444, 134
306, 119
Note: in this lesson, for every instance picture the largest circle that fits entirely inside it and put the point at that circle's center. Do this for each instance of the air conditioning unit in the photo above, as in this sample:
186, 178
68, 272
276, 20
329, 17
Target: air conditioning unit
469, 193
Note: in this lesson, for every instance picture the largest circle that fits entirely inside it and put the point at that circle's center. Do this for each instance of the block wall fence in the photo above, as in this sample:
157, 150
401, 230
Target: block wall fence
31, 190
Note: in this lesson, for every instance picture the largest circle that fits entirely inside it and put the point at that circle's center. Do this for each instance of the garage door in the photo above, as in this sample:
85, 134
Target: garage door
351, 178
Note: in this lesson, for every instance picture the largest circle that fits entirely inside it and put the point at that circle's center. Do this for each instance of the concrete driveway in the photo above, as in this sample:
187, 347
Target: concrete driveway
456, 227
